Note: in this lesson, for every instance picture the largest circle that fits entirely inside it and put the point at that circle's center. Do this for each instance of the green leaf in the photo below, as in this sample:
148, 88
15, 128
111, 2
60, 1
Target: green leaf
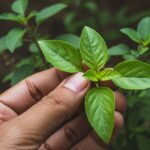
108, 74
70, 38
69, 21
133, 69
100, 107
135, 75
33, 48
25, 61
7, 77
9, 17
142, 50
21, 73
144, 28
91, 75
61, 55
132, 34
132, 83
120, 49
3, 44
32, 14
14, 38
20, 6
144, 110
93, 49
91, 6
49, 12
129, 57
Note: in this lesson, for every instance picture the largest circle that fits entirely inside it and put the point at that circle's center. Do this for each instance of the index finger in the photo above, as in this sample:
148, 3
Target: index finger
32, 89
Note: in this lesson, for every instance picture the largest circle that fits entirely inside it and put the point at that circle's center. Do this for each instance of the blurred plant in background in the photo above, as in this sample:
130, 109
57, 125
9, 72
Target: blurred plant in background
26, 32
67, 18
136, 132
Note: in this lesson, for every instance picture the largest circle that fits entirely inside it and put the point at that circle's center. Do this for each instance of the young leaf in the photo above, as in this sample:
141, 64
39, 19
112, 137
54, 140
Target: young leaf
129, 57
93, 49
49, 12
132, 34
3, 44
14, 38
120, 49
31, 15
61, 55
100, 107
142, 50
91, 75
135, 75
9, 17
70, 38
144, 28
33, 48
108, 74
20, 6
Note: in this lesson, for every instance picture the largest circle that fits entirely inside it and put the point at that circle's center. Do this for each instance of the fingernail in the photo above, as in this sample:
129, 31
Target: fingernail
76, 83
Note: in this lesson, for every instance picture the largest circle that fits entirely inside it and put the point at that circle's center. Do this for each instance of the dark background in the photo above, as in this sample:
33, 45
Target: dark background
56, 26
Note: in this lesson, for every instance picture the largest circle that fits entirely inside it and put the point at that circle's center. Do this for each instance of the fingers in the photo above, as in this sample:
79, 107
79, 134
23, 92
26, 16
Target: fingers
118, 125
79, 131
120, 102
6, 113
29, 91
49, 113
69, 134
80, 127
92, 141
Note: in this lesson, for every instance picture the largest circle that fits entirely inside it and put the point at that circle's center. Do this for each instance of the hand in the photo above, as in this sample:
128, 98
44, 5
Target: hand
44, 112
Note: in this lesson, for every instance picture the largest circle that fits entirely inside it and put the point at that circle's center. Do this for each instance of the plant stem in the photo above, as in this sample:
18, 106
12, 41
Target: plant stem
97, 85
34, 40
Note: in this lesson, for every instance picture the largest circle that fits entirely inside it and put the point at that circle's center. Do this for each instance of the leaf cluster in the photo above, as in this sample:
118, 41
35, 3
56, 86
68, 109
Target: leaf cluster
141, 37
99, 103
27, 33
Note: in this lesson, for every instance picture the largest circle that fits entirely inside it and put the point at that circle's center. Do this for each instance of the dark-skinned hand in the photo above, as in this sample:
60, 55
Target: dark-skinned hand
45, 112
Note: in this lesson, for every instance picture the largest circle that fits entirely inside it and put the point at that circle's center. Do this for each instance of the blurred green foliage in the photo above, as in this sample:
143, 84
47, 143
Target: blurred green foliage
74, 15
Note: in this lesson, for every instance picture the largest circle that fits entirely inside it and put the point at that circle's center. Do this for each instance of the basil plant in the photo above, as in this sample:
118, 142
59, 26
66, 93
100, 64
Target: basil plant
99, 101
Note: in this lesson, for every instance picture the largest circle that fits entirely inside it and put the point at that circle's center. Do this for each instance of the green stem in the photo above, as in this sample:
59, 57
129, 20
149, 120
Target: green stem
34, 40
97, 85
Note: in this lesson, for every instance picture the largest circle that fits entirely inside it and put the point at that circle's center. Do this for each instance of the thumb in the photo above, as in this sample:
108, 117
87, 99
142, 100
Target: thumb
48, 114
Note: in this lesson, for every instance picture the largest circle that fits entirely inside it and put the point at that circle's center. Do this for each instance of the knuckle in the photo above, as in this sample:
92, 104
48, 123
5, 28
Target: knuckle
70, 134
120, 101
59, 100
118, 120
46, 146
95, 138
33, 90
3, 116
